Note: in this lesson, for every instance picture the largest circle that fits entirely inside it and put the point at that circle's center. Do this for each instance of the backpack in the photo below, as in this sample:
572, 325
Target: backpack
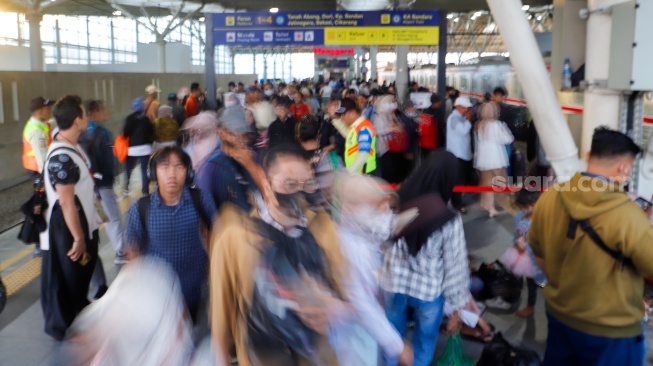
501, 353
91, 143
121, 148
144, 212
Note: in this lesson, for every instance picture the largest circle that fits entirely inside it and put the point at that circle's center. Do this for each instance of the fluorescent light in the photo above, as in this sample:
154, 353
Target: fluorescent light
529, 17
525, 7
539, 17
456, 20
201, 19
478, 14
117, 13
169, 17
449, 16
274, 10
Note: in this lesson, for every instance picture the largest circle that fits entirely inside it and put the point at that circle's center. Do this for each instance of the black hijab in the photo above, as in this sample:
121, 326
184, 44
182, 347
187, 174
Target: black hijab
429, 189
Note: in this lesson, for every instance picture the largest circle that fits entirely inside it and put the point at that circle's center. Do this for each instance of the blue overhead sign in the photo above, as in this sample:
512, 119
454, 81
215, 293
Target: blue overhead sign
327, 28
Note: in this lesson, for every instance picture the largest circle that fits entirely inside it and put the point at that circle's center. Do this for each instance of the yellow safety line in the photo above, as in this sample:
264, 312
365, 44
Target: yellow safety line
17, 257
22, 276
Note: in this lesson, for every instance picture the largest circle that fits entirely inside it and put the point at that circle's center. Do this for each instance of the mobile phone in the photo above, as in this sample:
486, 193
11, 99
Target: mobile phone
85, 259
643, 203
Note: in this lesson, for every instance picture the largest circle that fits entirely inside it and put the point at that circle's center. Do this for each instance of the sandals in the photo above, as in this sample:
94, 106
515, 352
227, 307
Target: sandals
481, 338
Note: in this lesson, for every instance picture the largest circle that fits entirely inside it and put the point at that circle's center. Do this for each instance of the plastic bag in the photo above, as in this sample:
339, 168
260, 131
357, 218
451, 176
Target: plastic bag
518, 263
501, 353
453, 353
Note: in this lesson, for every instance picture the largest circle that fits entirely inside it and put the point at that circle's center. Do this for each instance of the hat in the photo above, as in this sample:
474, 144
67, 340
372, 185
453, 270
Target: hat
172, 95
232, 119
346, 105
463, 102
38, 103
152, 89
138, 105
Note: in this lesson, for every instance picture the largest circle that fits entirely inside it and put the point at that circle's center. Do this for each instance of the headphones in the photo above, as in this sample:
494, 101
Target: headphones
185, 159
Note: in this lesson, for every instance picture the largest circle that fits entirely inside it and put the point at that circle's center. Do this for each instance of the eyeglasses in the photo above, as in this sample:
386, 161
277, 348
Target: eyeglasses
308, 186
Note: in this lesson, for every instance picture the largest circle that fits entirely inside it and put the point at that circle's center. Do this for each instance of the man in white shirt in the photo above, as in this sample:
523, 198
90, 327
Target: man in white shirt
459, 143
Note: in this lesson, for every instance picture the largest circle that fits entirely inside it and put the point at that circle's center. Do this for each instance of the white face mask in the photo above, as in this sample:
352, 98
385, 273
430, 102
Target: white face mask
230, 103
285, 92
393, 106
410, 114
370, 222
269, 92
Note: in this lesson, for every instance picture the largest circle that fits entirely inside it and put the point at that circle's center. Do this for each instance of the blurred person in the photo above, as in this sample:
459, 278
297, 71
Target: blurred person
427, 265
450, 93
193, 103
313, 105
392, 140
350, 93
268, 90
459, 143
491, 157
151, 104
241, 88
360, 145
594, 246
97, 143
230, 172
231, 87
36, 141
325, 93
366, 222
70, 243
166, 129
169, 224
264, 115
140, 321
297, 250
282, 130
299, 109
433, 131
361, 102
201, 134
140, 132
178, 112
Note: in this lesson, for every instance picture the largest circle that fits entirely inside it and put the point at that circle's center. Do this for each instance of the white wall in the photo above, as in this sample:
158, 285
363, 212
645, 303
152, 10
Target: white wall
14, 58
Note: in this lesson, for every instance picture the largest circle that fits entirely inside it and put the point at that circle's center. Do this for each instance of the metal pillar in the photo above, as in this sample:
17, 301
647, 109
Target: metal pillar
35, 46
265, 66
374, 50
290, 67
601, 106
442, 63
209, 60
532, 74
401, 82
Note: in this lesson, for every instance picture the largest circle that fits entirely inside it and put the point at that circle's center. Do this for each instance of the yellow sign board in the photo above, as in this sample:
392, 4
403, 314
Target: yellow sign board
360, 36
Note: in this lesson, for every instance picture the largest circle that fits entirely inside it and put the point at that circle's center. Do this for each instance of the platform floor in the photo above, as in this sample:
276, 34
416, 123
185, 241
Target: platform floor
23, 342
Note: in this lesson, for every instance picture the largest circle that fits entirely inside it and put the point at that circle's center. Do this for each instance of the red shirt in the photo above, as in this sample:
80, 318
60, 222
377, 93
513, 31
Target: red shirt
428, 132
192, 107
299, 112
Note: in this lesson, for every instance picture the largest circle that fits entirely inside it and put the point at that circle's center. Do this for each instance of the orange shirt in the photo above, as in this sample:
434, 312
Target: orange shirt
192, 107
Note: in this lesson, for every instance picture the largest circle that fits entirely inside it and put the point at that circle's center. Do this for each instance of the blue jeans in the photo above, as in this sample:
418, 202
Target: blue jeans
428, 317
567, 346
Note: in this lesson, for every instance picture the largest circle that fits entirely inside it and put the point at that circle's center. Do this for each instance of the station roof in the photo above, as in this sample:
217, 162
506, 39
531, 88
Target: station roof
162, 7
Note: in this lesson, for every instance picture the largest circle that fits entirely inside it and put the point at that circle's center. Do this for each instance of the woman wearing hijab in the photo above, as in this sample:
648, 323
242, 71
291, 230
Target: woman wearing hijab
428, 262
491, 158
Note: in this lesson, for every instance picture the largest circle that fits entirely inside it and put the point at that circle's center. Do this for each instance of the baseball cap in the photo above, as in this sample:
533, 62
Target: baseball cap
38, 103
172, 95
463, 102
346, 105
152, 89
232, 119
138, 105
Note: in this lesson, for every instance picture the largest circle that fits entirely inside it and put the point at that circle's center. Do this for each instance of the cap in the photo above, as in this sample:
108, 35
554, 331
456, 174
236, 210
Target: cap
346, 105
152, 89
138, 105
463, 102
232, 119
172, 95
38, 103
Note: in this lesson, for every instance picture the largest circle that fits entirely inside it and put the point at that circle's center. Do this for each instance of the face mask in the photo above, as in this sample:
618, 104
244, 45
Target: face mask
285, 93
269, 92
288, 204
230, 103
315, 199
410, 114
371, 223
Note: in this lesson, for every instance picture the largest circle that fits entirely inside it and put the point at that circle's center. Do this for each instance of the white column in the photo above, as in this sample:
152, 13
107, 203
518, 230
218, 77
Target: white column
374, 50
35, 46
161, 50
542, 101
401, 83
601, 105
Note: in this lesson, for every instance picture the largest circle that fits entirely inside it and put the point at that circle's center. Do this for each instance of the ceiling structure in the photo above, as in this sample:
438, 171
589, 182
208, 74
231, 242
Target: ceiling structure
162, 7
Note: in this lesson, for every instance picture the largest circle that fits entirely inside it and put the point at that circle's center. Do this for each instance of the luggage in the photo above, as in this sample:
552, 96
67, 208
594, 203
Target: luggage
517, 165
499, 282
501, 353
121, 148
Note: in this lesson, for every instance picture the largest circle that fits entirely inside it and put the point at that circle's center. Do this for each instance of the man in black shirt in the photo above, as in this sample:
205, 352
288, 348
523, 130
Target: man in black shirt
282, 130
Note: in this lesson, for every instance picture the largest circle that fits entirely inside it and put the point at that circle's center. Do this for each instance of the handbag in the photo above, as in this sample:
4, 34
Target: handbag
499, 282
501, 353
121, 148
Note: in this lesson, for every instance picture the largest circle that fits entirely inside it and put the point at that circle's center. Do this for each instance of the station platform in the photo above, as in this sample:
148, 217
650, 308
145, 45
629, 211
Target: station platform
23, 342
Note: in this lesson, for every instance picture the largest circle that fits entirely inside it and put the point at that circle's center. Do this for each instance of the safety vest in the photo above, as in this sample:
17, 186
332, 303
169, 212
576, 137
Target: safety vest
351, 147
29, 158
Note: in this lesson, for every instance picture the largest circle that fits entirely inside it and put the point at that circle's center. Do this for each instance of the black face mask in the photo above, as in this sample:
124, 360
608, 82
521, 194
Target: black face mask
288, 203
315, 199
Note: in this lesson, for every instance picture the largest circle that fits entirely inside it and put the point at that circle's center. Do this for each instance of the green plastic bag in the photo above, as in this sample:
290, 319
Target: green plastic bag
453, 353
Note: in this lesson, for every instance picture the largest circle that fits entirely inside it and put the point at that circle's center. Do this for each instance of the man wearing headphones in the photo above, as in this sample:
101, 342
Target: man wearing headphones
168, 223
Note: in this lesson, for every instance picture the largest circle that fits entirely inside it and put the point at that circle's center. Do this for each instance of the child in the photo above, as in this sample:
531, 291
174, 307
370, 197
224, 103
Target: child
526, 200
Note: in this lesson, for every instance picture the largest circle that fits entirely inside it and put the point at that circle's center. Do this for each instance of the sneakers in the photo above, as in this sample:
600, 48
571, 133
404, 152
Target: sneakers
498, 303
120, 259
38, 252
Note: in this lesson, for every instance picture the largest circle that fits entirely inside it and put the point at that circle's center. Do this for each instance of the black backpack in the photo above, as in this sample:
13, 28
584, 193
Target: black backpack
501, 353
91, 143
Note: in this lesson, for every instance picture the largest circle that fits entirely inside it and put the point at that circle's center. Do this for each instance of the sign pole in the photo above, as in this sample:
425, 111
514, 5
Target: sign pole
442, 65
209, 60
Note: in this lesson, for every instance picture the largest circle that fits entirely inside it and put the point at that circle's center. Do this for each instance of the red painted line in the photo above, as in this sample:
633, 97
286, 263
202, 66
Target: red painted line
485, 189
648, 119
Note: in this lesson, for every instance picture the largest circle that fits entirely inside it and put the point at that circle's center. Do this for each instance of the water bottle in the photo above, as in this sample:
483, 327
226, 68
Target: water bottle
566, 75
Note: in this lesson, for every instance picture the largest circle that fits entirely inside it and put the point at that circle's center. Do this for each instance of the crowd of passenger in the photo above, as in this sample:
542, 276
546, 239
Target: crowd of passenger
305, 223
